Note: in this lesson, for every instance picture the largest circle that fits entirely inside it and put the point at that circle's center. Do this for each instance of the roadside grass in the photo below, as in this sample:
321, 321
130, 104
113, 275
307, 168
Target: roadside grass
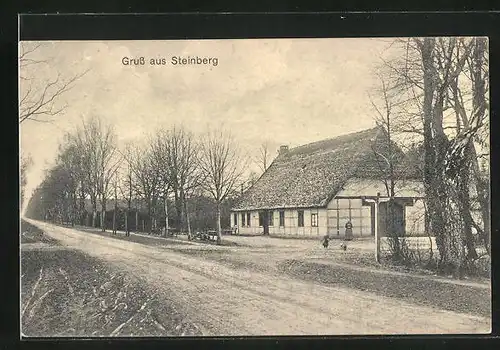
67, 293
32, 234
148, 239
142, 238
365, 258
421, 291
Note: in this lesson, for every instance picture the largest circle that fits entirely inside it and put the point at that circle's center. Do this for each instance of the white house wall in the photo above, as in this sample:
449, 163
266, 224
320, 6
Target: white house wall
340, 210
290, 227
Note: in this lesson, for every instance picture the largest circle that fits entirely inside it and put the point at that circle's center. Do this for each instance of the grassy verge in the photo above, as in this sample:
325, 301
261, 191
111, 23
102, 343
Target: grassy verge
421, 291
32, 234
365, 258
153, 240
141, 238
67, 293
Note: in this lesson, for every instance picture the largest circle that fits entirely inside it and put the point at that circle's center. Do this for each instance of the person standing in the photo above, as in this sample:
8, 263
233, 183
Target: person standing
348, 231
326, 239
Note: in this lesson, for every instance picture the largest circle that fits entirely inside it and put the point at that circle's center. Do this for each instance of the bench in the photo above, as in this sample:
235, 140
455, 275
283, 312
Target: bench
206, 235
211, 235
230, 231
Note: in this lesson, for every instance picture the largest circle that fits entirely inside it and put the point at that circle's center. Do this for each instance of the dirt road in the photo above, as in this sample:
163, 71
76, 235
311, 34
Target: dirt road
237, 302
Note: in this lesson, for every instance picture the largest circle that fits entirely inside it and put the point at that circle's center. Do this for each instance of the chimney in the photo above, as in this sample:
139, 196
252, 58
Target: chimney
283, 149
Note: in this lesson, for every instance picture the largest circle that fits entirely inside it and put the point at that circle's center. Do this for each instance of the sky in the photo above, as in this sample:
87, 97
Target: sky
280, 91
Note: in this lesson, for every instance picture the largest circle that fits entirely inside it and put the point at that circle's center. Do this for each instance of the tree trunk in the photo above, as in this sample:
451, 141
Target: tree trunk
74, 208
182, 211
114, 216
149, 219
127, 232
219, 228
94, 211
188, 221
479, 105
433, 146
114, 221
178, 208
82, 205
103, 215
136, 220
166, 215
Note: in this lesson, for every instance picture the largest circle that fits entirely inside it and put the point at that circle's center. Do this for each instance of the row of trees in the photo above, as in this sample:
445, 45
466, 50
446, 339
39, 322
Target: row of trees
436, 93
161, 176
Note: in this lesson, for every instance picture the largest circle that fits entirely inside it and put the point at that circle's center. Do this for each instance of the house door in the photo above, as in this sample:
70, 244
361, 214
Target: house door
264, 221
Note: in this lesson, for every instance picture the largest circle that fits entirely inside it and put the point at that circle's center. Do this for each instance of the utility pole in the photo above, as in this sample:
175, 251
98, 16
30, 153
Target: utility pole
377, 201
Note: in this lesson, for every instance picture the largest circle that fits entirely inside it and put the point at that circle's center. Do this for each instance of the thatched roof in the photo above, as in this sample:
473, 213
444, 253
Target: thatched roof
310, 175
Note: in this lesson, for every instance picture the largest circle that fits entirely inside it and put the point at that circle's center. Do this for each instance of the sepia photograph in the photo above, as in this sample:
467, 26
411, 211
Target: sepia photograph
255, 187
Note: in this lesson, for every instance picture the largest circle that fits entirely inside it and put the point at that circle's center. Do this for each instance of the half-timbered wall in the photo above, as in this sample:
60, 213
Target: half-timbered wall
342, 210
313, 226
330, 220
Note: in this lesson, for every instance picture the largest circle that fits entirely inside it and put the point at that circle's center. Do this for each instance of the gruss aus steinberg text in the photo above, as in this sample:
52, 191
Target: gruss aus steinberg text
174, 61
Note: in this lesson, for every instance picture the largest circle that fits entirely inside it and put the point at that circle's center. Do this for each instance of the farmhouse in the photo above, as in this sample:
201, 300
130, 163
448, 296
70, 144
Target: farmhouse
315, 189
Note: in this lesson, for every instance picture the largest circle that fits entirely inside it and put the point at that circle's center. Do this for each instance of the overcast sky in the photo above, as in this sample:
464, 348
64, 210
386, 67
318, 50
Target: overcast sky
286, 91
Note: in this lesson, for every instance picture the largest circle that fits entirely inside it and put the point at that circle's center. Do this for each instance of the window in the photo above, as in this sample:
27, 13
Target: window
282, 218
243, 219
314, 220
271, 218
235, 219
301, 218
248, 219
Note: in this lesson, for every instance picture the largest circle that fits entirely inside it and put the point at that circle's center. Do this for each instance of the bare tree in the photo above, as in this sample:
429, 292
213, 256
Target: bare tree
108, 163
126, 185
146, 180
184, 170
387, 159
69, 160
115, 200
175, 154
222, 166
385, 120
40, 98
469, 100
160, 156
86, 138
100, 159
435, 75
248, 181
264, 157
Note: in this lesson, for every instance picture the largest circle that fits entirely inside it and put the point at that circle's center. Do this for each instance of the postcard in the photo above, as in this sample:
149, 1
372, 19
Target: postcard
247, 187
